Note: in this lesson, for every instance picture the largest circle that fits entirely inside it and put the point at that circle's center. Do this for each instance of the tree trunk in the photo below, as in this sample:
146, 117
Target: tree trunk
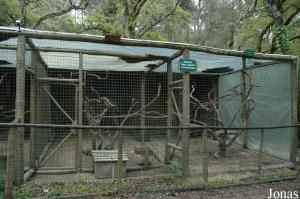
274, 8
125, 18
131, 30
22, 7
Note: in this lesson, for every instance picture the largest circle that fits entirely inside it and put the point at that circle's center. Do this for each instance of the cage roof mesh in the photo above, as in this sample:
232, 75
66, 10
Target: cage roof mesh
60, 60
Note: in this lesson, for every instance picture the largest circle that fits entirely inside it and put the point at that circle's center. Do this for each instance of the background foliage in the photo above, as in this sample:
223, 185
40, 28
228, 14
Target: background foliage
269, 26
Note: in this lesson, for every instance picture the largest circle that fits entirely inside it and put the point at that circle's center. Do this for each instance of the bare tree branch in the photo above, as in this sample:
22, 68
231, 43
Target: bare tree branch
261, 36
152, 24
95, 118
249, 13
81, 5
2, 78
292, 16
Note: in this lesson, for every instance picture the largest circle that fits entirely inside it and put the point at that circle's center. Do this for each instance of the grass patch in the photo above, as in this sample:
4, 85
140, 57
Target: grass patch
42, 190
277, 175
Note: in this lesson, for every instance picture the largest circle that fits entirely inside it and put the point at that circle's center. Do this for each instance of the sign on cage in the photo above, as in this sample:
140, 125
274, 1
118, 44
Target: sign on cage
187, 65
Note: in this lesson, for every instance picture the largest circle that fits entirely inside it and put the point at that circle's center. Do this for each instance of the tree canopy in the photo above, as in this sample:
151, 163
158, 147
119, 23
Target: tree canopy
271, 26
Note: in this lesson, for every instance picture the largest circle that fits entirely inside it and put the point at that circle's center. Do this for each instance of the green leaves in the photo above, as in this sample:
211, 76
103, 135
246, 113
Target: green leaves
282, 40
104, 24
156, 36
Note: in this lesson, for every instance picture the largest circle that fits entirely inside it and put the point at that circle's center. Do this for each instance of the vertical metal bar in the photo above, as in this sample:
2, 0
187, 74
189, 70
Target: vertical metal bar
20, 106
185, 118
169, 112
244, 104
204, 158
80, 114
261, 145
120, 154
294, 113
33, 111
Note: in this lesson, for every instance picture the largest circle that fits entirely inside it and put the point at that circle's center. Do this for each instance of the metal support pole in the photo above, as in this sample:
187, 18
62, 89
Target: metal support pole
185, 119
169, 112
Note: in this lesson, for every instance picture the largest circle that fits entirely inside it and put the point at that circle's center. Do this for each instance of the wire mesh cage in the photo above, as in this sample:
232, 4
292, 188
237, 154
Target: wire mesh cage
197, 124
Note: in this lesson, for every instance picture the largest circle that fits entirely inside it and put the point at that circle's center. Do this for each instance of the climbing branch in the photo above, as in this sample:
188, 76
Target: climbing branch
214, 105
105, 106
2, 78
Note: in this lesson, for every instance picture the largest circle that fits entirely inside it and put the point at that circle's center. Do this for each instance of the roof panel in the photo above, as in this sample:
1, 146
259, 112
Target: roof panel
92, 62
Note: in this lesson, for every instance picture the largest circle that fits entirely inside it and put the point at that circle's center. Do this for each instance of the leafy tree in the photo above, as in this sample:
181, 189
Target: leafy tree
41, 14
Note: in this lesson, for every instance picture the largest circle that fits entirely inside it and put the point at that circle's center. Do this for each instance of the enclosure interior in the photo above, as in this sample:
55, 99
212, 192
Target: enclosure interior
113, 95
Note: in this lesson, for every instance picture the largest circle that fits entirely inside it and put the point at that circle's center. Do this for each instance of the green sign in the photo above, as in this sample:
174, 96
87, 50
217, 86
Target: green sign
187, 65
249, 52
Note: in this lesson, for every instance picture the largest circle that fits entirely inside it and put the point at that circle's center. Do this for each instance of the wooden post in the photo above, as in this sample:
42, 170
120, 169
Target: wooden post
244, 113
169, 112
294, 102
204, 158
223, 144
261, 144
10, 168
120, 154
75, 121
80, 115
185, 118
142, 119
43, 109
33, 111
19, 109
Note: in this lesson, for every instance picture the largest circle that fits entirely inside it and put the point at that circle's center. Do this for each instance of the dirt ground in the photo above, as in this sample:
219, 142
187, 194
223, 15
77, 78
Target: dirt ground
259, 191
138, 188
239, 160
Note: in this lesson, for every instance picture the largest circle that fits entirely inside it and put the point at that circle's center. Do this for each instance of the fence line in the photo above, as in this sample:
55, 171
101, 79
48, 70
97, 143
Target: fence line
30, 125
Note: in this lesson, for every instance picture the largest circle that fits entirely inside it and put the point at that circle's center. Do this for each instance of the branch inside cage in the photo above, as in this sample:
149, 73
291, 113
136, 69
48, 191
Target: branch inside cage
105, 104
214, 105
2, 78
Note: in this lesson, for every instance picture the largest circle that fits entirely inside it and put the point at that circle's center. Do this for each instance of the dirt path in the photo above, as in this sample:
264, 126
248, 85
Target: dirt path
260, 191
